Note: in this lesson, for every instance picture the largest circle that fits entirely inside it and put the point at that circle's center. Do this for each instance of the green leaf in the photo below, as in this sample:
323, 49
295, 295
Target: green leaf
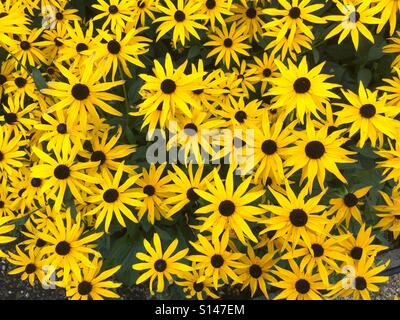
38, 78
364, 75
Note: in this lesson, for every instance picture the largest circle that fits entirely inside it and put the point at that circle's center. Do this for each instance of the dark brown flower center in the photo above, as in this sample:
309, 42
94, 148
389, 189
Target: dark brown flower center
350, 200
210, 4
354, 17
217, 261
226, 208
80, 91
113, 47
113, 9
302, 85
168, 86
240, 116
20, 82
228, 42
149, 190
36, 182
62, 128
315, 150
356, 253
294, 12
160, 265
30, 268
179, 16
62, 172
59, 16
269, 147
368, 111
298, 217
302, 286
81, 47
10, 118
361, 283
190, 129
98, 156
3, 79
84, 288
198, 286
267, 72
25, 45
251, 13
63, 248
255, 271
111, 195
317, 249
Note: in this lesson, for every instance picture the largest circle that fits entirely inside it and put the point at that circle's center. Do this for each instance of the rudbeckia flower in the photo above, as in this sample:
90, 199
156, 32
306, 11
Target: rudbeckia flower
93, 282
300, 89
82, 94
28, 265
67, 245
389, 213
182, 18
113, 197
353, 19
216, 261
298, 283
316, 152
61, 172
117, 12
228, 44
229, 207
294, 217
195, 284
368, 115
159, 263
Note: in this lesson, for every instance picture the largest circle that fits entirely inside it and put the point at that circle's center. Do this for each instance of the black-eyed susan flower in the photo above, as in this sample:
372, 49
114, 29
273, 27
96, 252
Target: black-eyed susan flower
60, 132
119, 49
325, 253
215, 11
258, 271
184, 186
140, 11
228, 44
369, 116
361, 244
21, 85
294, 217
283, 47
29, 265
83, 93
116, 12
27, 49
316, 152
390, 162
11, 153
292, 17
154, 185
61, 172
300, 89
392, 88
104, 148
359, 279
169, 90
182, 18
353, 19
265, 69
347, 206
6, 226
159, 264
216, 260
298, 283
389, 213
93, 282
195, 284
229, 207
67, 245
112, 198
17, 116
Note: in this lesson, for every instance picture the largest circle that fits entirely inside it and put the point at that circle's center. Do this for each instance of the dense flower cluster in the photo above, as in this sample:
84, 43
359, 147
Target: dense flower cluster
284, 118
